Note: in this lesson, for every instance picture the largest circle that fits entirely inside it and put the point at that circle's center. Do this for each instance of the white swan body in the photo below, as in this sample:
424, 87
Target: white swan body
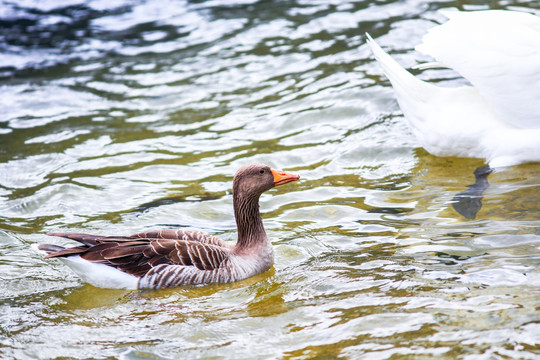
498, 117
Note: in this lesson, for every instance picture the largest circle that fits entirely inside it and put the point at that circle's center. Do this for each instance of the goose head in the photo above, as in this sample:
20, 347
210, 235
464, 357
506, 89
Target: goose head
254, 179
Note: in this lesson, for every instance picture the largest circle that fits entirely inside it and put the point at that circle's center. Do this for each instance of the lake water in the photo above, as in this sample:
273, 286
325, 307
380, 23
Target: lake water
121, 116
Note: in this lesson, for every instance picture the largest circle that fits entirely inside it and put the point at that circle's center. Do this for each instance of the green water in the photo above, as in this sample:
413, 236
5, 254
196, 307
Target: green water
123, 116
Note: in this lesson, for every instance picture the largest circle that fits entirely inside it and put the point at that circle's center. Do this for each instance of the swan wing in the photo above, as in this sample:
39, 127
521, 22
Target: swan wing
499, 53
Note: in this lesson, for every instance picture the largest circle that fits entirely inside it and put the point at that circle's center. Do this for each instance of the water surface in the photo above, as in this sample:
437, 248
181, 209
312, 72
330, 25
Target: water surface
121, 116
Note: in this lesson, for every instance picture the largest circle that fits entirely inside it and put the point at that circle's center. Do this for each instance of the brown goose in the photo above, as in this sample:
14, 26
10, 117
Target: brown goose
168, 258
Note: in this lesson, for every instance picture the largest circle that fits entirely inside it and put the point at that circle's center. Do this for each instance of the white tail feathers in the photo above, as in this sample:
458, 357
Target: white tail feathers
430, 65
404, 83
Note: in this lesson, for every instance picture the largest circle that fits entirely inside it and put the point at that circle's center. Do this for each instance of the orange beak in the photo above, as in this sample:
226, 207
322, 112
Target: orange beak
282, 177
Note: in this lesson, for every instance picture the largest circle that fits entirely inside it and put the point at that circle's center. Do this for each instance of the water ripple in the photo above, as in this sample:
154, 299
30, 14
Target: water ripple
120, 116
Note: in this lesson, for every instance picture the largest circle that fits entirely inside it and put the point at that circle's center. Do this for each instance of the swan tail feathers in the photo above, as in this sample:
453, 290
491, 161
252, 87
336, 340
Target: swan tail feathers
406, 85
430, 65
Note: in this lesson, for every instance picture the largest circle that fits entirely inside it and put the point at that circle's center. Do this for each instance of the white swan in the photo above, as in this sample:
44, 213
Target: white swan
498, 117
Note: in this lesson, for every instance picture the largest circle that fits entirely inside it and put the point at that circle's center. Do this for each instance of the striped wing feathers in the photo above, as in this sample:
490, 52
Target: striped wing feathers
190, 253
137, 254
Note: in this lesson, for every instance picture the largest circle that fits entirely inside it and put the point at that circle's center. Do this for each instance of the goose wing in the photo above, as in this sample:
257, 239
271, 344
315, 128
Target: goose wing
499, 53
137, 256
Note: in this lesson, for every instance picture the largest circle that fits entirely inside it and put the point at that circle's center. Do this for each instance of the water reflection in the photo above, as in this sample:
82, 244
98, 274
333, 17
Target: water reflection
123, 116
469, 202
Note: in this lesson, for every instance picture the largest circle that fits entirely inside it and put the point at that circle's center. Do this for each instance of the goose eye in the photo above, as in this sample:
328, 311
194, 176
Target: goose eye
261, 171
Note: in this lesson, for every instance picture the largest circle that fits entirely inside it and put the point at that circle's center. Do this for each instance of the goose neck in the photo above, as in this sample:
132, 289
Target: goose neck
248, 221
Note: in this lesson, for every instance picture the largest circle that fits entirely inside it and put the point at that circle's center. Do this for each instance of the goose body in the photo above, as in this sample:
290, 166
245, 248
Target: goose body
170, 258
497, 118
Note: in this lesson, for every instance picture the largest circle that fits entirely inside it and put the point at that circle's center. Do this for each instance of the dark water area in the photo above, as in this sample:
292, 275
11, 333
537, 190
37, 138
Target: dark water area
122, 116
